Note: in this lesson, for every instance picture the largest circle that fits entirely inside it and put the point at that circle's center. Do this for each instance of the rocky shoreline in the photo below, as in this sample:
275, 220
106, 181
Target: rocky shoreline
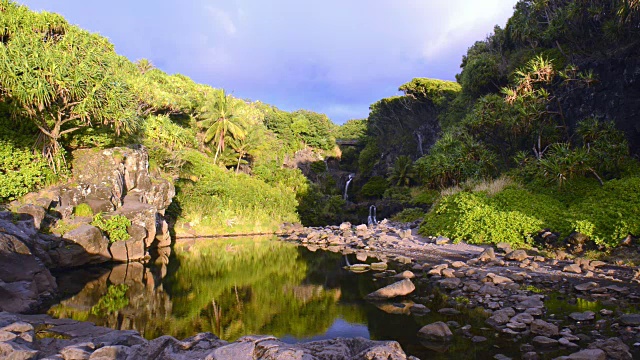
41, 337
509, 286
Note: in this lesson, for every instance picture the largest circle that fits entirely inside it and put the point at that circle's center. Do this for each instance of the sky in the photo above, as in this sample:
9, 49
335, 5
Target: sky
330, 56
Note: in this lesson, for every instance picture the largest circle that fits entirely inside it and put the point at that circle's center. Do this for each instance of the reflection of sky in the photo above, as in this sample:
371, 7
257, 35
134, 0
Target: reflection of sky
339, 328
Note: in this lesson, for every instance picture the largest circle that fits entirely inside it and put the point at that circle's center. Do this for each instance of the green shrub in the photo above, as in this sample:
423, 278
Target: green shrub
547, 208
425, 197
83, 210
115, 227
409, 215
319, 167
609, 213
400, 194
375, 187
472, 217
21, 171
217, 200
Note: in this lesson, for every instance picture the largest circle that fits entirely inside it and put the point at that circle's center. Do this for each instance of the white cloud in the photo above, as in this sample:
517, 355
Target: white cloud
222, 19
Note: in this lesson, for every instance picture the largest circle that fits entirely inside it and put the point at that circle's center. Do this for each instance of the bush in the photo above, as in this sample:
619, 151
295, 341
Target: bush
548, 209
83, 210
219, 201
400, 194
21, 171
115, 227
425, 198
472, 217
375, 187
409, 215
610, 213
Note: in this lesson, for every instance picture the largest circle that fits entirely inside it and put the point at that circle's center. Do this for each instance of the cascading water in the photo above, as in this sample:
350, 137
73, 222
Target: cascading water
419, 143
371, 220
346, 187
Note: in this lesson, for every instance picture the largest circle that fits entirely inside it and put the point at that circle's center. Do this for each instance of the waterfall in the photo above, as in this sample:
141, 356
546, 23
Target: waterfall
326, 165
346, 187
371, 220
420, 143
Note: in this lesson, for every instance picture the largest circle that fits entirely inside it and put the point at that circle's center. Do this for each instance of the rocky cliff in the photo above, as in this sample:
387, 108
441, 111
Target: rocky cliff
43, 232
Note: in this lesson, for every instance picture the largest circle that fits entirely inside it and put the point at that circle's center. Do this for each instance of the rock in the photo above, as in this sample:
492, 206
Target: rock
400, 288
379, 266
544, 342
34, 213
24, 280
345, 226
497, 279
406, 275
163, 236
614, 348
523, 318
94, 245
588, 354
458, 264
583, 316
487, 255
500, 317
573, 268
437, 331
504, 247
80, 351
544, 328
129, 250
531, 355
450, 283
586, 286
606, 312
12, 350
441, 240
448, 273
118, 352
449, 311
630, 319
143, 215
478, 339
517, 255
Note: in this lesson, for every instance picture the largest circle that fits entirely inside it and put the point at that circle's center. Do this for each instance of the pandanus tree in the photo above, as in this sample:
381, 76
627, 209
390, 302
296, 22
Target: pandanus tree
59, 77
221, 119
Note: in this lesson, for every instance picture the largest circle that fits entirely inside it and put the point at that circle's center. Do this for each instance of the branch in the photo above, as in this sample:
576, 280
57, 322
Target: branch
69, 130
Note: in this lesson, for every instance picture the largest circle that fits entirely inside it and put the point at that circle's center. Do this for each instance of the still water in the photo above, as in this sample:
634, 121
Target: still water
243, 286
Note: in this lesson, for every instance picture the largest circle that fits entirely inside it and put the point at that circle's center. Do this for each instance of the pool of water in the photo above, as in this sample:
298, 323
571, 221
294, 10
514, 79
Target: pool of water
244, 286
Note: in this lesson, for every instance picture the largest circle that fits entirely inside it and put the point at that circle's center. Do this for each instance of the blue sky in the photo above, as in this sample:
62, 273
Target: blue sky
331, 56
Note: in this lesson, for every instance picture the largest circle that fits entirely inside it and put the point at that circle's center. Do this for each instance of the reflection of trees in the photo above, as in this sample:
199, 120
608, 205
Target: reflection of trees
247, 286
232, 287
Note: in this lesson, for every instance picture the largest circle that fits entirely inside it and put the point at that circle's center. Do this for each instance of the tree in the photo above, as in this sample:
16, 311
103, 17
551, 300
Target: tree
144, 65
244, 146
220, 119
60, 77
402, 172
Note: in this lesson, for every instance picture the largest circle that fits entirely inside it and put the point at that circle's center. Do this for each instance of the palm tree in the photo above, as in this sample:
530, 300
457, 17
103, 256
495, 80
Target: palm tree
220, 119
245, 145
402, 172
144, 65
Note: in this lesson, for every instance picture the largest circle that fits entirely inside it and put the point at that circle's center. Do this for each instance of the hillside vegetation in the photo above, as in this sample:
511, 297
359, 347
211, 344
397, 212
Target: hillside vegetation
540, 131
63, 88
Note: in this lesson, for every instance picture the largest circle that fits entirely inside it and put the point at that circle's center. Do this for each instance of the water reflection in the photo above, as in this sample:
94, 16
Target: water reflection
242, 286
232, 287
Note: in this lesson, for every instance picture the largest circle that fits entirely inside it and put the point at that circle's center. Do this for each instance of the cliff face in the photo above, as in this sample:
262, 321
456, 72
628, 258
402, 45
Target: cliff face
43, 231
615, 97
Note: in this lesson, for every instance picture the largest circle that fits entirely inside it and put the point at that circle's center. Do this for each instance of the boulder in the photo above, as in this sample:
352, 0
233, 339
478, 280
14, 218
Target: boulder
614, 348
129, 250
437, 331
30, 212
630, 319
583, 316
517, 255
24, 280
487, 255
541, 327
400, 288
93, 243
588, 354
143, 215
